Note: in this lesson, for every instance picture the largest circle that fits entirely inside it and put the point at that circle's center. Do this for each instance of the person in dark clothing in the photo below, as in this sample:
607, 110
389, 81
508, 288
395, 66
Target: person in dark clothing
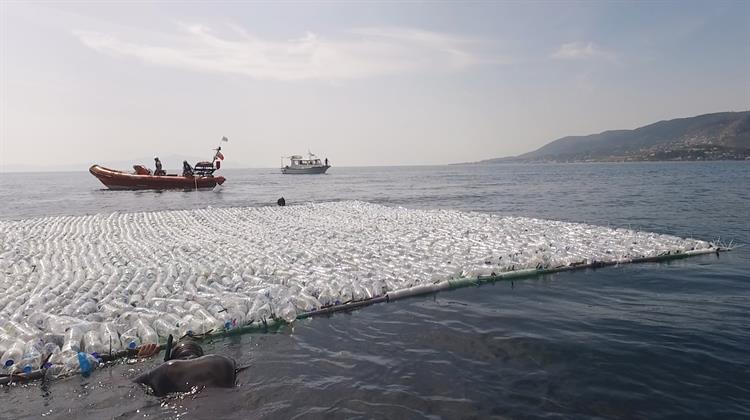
186, 367
326, 161
159, 170
187, 170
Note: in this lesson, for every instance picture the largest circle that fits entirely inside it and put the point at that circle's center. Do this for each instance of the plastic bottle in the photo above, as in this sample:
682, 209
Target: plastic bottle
233, 318
73, 338
59, 357
326, 296
130, 339
54, 371
32, 357
110, 337
13, 354
49, 351
285, 310
163, 327
5, 340
188, 325
92, 343
208, 321
146, 333
304, 302
20, 330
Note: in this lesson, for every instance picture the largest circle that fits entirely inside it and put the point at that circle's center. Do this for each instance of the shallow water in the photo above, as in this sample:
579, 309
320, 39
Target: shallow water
639, 341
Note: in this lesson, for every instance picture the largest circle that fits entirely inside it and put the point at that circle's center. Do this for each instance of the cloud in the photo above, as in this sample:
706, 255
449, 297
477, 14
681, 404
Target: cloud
581, 50
361, 53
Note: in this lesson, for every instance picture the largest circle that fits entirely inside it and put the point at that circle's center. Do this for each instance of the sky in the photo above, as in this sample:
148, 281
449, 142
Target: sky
362, 83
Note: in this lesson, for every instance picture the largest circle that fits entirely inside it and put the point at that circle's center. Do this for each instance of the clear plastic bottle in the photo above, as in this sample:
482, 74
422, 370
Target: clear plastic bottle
146, 333
20, 330
32, 356
234, 317
39, 319
188, 325
304, 302
285, 310
261, 311
5, 340
164, 328
110, 336
49, 351
54, 371
73, 338
130, 339
92, 342
13, 354
208, 321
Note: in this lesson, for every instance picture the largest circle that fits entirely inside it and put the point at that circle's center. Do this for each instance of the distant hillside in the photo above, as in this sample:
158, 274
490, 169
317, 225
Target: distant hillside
724, 135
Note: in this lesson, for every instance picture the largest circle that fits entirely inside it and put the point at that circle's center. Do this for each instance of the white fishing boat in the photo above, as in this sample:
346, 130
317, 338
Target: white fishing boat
299, 165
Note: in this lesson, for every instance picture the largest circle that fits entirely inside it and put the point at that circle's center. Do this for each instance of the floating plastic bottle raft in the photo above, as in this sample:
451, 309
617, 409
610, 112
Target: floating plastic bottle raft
110, 282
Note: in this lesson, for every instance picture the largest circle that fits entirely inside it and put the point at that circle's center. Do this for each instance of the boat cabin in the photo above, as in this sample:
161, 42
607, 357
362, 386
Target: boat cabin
204, 169
297, 160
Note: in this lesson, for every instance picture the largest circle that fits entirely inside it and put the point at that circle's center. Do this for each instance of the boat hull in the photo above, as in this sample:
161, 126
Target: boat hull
119, 180
305, 171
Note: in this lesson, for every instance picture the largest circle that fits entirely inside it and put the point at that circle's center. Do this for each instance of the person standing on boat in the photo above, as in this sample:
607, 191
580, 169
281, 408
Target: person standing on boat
326, 161
187, 170
159, 170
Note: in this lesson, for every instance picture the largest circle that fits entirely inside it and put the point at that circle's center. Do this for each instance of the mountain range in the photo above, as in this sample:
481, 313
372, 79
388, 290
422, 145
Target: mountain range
718, 136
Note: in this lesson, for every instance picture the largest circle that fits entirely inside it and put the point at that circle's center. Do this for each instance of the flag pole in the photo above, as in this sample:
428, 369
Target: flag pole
218, 148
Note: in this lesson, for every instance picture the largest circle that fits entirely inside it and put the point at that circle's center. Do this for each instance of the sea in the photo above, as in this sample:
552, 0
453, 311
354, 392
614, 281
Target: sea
641, 341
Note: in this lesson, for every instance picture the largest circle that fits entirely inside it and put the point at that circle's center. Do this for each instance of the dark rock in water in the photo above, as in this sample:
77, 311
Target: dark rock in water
281, 201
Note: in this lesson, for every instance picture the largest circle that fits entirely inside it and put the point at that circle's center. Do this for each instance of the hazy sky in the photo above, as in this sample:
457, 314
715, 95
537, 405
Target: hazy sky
365, 83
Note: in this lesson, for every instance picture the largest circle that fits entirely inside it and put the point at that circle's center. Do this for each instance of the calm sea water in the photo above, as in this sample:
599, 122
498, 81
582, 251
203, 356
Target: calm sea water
666, 340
